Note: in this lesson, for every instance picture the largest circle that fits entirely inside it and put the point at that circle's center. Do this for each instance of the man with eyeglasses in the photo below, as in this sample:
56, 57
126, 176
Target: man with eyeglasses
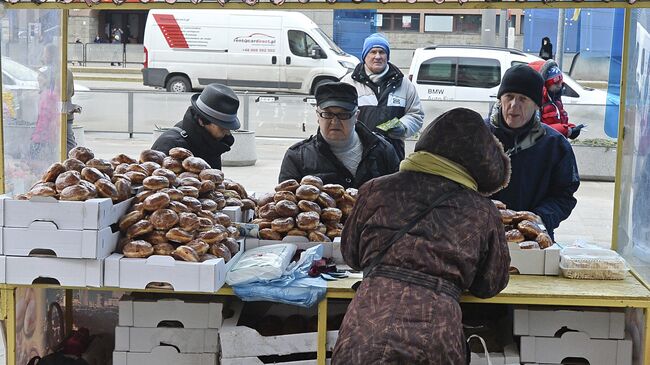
342, 151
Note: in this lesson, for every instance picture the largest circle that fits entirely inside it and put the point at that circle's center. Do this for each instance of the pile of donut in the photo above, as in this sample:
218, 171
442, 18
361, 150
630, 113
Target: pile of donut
523, 228
177, 213
82, 177
308, 209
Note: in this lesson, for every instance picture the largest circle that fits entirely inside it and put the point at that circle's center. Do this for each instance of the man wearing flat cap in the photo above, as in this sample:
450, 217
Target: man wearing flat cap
388, 102
544, 171
205, 128
342, 151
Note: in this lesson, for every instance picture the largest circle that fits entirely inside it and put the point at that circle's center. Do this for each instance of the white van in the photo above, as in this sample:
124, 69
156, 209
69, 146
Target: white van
244, 49
473, 73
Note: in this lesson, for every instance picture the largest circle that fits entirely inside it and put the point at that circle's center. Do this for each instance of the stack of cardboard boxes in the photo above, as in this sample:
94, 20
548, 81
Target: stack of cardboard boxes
167, 331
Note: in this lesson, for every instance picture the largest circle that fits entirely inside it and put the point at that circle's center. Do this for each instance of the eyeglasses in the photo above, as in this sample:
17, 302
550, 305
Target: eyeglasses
339, 116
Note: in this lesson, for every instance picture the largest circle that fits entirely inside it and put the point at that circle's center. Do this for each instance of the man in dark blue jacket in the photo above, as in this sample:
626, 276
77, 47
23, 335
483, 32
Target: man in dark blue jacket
544, 171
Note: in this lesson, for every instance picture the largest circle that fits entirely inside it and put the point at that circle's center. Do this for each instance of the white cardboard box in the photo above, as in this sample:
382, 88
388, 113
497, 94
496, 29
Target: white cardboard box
243, 342
44, 238
509, 356
68, 272
186, 340
237, 215
90, 214
605, 323
330, 249
148, 313
535, 262
553, 350
131, 273
256, 361
3, 269
163, 355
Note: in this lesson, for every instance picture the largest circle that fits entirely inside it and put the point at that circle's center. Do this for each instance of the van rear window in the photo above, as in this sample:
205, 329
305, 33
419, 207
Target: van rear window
478, 72
438, 71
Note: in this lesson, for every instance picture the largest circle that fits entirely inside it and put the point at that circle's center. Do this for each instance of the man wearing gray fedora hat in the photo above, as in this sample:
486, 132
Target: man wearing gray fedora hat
205, 128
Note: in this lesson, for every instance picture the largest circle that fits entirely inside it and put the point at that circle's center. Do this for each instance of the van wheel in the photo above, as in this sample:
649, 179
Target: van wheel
179, 84
321, 82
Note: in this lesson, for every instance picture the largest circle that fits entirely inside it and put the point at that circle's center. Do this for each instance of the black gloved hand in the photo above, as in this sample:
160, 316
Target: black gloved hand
575, 131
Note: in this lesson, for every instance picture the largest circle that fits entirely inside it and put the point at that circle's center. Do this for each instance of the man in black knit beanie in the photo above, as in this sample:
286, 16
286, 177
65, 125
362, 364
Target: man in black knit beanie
544, 171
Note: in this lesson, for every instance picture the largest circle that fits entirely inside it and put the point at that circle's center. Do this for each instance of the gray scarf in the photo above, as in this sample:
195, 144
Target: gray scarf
376, 78
348, 152
524, 137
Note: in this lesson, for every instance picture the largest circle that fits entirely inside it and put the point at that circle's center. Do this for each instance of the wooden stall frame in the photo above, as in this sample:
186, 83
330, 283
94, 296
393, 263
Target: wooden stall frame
7, 292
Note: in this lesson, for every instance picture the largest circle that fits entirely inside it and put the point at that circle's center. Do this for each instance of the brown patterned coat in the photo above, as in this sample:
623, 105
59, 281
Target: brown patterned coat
394, 322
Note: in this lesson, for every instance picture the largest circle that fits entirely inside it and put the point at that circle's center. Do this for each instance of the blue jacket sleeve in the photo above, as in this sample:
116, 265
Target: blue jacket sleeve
559, 203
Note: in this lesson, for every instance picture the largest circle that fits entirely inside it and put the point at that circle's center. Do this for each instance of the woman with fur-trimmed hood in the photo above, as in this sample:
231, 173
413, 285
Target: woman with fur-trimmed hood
406, 309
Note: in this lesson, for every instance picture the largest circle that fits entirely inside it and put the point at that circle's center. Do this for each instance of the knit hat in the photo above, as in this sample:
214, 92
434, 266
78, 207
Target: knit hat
375, 40
522, 79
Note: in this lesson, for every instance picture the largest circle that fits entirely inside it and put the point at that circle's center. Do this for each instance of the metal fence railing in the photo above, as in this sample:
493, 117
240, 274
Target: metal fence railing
114, 53
269, 115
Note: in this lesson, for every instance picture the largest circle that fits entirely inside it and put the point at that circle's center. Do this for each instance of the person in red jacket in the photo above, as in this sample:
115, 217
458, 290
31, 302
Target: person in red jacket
552, 110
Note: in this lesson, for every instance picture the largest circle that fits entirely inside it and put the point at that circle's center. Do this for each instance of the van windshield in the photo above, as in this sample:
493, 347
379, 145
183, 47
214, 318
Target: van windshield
330, 42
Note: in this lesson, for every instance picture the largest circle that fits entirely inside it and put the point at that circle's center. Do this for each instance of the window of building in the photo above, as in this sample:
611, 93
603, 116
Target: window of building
439, 23
457, 23
395, 21
300, 43
438, 71
478, 72
512, 22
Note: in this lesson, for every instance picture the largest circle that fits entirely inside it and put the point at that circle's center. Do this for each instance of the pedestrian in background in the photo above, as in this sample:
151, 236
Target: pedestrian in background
388, 102
206, 127
546, 51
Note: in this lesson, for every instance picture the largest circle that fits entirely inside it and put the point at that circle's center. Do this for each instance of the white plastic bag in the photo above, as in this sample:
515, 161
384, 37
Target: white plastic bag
261, 264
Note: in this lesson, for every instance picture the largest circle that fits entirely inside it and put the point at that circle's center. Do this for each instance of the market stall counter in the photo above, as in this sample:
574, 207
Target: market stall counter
521, 290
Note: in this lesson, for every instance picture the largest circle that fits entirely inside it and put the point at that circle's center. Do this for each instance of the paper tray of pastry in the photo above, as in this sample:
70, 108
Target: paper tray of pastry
167, 273
330, 249
592, 263
238, 215
534, 261
76, 215
44, 238
64, 271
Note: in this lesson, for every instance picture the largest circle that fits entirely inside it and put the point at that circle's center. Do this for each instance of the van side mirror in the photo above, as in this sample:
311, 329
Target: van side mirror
315, 52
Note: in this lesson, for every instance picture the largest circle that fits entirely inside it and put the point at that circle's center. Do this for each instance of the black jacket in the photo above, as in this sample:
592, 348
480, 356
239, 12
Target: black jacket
198, 140
544, 176
313, 156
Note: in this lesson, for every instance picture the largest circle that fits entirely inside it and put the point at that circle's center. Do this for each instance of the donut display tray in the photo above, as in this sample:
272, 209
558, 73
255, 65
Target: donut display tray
90, 214
43, 238
133, 273
66, 272
535, 262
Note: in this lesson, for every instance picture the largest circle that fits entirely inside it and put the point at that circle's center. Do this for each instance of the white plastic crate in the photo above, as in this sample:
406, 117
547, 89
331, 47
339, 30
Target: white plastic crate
330, 249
